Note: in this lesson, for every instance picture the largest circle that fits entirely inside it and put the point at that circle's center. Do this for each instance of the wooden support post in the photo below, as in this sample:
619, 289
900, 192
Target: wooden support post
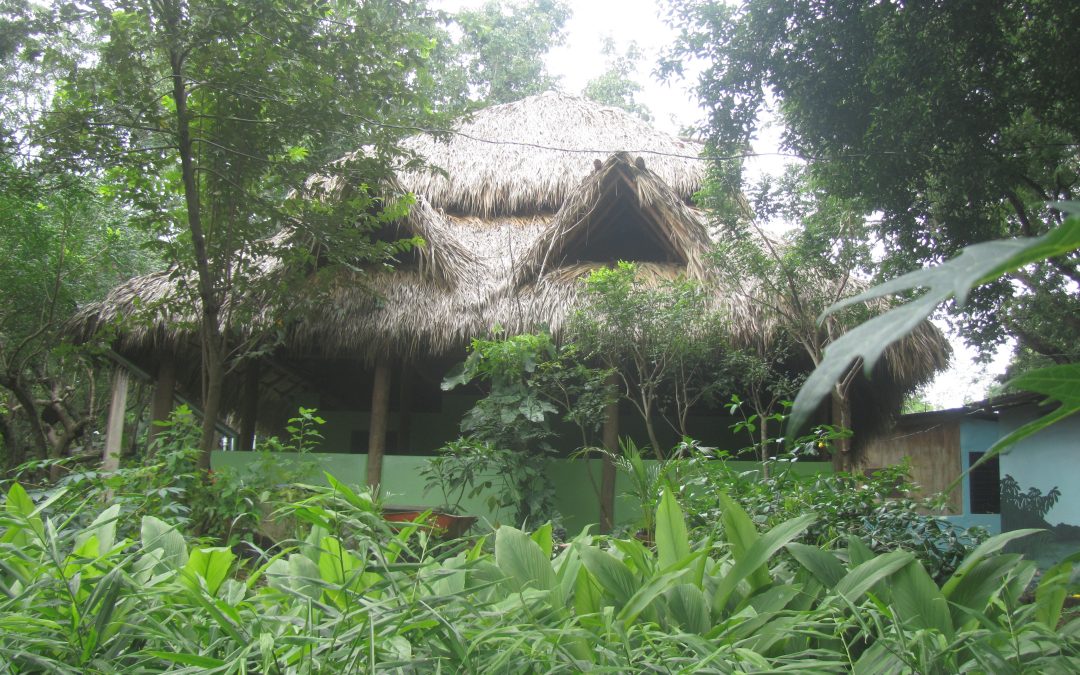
249, 410
843, 459
405, 403
380, 412
162, 405
607, 476
115, 427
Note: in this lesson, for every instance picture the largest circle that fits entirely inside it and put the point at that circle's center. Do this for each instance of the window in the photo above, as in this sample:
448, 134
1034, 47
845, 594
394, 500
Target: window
985, 482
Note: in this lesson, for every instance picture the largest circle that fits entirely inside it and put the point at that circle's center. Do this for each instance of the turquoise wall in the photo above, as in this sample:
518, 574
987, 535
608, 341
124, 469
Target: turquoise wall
1045, 460
576, 484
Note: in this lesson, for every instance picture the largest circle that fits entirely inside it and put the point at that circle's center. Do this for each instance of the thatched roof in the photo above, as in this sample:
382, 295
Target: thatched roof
526, 157
509, 232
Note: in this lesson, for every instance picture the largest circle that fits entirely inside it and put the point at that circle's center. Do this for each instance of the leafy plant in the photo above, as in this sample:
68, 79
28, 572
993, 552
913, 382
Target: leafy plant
660, 338
977, 264
532, 383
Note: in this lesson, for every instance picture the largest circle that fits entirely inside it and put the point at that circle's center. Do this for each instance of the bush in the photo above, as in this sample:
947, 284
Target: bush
876, 509
352, 595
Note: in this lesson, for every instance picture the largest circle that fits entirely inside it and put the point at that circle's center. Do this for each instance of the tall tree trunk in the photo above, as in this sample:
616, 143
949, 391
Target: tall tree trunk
161, 408
380, 411
607, 475
17, 386
213, 342
115, 429
841, 417
13, 448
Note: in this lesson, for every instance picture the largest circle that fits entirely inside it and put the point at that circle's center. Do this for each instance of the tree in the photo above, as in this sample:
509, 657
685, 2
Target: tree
662, 340
63, 244
498, 54
792, 279
955, 121
616, 86
210, 117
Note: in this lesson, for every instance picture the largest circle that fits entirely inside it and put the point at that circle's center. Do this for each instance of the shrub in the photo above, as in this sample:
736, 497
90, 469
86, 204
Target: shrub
876, 508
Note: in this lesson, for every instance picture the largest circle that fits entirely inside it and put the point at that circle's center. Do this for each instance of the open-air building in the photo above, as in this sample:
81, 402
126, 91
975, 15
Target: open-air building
529, 198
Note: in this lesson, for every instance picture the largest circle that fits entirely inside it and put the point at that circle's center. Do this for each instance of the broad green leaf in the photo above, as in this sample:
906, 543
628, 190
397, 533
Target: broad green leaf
157, 534
522, 560
210, 564
641, 559
647, 594
864, 576
741, 534
858, 552
991, 545
18, 501
689, 607
978, 585
362, 502
825, 566
757, 558
918, 601
103, 528
672, 541
975, 265
542, 537
773, 599
586, 593
1050, 594
613, 575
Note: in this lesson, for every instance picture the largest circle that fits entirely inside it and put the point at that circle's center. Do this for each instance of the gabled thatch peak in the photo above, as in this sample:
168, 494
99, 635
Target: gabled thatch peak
620, 211
526, 157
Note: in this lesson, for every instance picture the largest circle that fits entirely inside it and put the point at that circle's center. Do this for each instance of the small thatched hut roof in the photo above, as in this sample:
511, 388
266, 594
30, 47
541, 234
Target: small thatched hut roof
527, 199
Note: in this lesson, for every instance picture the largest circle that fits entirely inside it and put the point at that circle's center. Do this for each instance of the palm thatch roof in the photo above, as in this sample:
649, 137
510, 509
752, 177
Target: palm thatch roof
513, 219
526, 157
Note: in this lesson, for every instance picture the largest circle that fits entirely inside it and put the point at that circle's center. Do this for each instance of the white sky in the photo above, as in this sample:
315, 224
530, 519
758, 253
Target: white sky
674, 108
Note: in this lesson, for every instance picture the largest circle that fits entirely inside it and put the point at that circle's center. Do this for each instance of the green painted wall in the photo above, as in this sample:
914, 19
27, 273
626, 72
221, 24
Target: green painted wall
576, 484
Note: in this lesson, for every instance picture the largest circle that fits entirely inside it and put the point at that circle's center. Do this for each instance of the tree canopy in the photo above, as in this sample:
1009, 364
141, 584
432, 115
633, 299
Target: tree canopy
497, 54
616, 85
955, 122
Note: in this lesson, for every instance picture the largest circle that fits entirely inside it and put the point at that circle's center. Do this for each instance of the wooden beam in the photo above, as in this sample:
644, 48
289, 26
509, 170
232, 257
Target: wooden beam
249, 406
162, 405
405, 404
114, 429
380, 412
607, 475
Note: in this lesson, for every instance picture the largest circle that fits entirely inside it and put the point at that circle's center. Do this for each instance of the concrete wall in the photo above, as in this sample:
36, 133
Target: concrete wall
1045, 460
576, 484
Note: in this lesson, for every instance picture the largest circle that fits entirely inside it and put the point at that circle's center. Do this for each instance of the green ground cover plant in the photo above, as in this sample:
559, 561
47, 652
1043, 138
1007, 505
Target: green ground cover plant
350, 594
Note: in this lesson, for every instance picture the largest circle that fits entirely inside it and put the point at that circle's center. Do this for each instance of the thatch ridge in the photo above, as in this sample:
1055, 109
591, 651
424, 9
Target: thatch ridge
528, 156
673, 224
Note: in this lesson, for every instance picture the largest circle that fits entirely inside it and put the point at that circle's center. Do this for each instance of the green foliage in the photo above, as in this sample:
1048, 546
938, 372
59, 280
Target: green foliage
977, 264
952, 122
353, 595
495, 53
63, 245
616, 85
532, 384
209, 119
876, 509
662, 339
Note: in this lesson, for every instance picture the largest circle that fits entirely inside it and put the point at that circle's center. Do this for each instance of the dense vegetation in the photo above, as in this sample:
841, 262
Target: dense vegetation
180, 136
101, 590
